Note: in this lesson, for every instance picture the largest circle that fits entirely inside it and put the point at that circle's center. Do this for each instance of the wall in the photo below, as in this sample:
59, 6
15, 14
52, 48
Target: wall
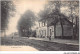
41, 30
52, 31
67, 30
58, 30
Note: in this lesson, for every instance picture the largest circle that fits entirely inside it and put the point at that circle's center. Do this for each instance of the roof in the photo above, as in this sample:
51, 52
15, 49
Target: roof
54, 18
65, 21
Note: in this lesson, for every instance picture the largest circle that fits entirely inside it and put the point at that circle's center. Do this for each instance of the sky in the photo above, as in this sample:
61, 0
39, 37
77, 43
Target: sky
21, 6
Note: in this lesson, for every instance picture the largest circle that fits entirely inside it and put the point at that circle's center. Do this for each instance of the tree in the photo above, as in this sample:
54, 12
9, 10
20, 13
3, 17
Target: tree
6, 8
53, 13
73, 13
74, 6
44, 14
26, 22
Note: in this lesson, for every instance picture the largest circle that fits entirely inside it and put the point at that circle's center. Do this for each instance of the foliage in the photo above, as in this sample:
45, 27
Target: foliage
55, 13
26, 22
6, 7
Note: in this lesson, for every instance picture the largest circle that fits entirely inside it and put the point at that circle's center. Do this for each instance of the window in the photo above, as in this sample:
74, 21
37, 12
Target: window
39, 24
43, 24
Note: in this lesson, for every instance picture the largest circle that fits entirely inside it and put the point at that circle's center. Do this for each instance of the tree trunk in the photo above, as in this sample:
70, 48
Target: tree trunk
72, 19
54, 31
76, 29
4, 33
62, 28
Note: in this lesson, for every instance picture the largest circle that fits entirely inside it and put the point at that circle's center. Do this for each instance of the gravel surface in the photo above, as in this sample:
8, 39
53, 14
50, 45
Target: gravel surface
38, 44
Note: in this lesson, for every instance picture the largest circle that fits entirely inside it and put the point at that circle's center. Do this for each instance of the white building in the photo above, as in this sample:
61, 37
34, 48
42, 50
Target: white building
53, 29
42, 29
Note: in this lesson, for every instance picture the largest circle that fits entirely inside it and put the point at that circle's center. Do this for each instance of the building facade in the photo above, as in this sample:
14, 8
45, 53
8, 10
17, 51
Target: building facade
41, 30
47, 29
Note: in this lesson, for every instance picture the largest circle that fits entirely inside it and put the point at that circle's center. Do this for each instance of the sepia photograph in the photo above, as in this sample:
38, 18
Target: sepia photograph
39, 25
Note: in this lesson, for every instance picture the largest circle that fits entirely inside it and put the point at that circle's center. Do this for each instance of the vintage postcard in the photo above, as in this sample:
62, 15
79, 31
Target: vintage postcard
39, 25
